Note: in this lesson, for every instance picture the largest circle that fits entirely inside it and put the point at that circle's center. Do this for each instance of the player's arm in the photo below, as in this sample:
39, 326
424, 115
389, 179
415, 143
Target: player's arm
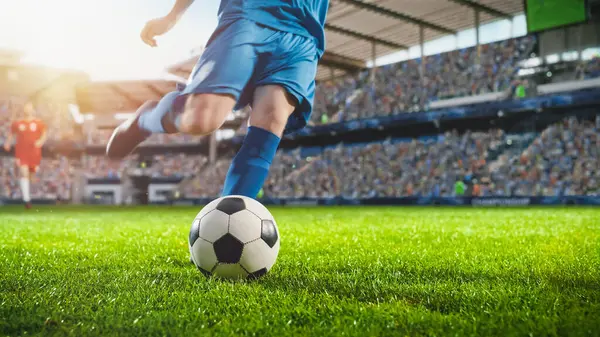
162, 25
179, 9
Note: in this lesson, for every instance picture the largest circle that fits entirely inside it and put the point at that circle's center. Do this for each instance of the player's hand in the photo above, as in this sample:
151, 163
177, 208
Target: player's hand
7, 146
39, 144
156, 27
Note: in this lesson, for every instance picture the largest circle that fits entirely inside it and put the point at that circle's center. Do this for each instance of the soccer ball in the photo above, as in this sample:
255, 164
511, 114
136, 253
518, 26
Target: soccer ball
234, 237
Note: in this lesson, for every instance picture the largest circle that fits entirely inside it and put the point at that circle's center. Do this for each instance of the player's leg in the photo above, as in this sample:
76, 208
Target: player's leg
217, 82
282, 101
204, 113
249, 169
25, 183
197, 114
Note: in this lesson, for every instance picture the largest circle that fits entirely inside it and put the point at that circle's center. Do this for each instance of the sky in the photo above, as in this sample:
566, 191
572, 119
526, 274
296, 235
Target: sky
101, 37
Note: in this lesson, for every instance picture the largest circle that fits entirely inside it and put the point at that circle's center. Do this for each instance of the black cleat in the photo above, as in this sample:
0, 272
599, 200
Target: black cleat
128, 135
28, 205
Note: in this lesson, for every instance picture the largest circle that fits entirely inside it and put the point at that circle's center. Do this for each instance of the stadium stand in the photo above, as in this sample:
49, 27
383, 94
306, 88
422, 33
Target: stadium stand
57, 118
399, 87
175, 166
562, 159
53, 183
588, 70
99, 137
99, 167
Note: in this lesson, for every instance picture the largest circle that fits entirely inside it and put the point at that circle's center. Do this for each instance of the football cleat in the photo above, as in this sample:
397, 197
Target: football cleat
128, 135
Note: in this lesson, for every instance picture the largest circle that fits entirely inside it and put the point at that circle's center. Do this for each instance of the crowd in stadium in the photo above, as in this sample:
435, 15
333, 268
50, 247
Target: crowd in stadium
60, 124
99, 167
564, 159
56, 178
53, 182
399, 87
396, 88
589, 69
56, 117
419, 167
198, 187
174, 166
99, 137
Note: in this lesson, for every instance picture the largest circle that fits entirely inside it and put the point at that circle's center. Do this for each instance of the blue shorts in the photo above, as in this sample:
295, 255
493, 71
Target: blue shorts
242, 55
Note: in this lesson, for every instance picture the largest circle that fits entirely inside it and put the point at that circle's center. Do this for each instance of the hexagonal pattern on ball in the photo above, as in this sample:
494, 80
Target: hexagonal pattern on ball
228, 249
231, 205
258, 255
204, 255
245, 226
194, 232
230, 270
213, 225
269, 232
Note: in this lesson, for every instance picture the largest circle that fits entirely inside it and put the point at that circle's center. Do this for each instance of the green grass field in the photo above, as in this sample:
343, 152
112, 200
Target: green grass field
340, 272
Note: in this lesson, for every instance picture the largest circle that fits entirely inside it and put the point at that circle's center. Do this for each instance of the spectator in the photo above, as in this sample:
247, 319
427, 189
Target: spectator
459, 188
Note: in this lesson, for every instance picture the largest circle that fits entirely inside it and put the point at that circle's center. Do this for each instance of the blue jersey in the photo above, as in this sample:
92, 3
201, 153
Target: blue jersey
301, 17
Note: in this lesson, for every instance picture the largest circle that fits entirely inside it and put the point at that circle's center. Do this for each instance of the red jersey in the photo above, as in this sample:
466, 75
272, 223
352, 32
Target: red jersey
28, 132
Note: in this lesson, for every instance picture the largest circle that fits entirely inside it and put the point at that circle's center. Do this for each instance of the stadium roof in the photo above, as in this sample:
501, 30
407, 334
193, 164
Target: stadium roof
34, 82
353, 26
9, 57
120, 96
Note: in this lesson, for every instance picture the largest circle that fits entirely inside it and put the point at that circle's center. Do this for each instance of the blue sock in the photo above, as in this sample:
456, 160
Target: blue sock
164, 117
250, 167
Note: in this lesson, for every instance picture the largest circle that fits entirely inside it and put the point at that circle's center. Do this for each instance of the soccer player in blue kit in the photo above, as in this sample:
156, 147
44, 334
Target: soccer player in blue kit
263, 53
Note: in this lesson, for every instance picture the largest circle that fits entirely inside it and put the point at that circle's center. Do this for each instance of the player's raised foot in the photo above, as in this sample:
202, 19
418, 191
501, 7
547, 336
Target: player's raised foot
28, 205
128, 135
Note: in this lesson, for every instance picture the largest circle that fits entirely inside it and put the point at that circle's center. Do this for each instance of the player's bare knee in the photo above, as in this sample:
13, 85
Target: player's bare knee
204, 114
273, 105
271, 117
24, 171
198, 122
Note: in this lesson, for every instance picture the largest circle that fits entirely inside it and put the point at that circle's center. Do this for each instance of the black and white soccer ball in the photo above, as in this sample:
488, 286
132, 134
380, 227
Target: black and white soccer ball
234, 237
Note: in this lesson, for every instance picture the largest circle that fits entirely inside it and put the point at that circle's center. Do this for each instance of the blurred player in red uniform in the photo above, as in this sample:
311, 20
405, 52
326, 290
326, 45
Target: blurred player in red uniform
30, 134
